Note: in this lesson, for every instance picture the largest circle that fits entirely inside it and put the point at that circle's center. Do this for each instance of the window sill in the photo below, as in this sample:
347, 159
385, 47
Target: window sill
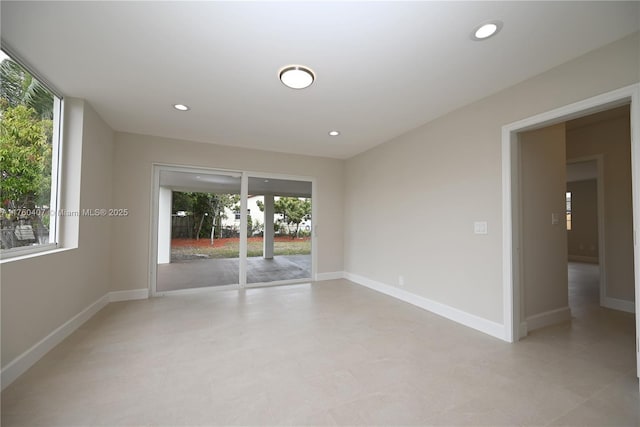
19, 256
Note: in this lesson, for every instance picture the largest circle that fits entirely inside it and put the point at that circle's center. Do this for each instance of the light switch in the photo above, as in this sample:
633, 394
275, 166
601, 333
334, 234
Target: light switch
555, 219
480, 227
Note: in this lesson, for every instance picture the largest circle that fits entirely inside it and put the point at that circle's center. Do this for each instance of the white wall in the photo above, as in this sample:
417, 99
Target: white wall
254, 211
446, 175
41, 293
134, 156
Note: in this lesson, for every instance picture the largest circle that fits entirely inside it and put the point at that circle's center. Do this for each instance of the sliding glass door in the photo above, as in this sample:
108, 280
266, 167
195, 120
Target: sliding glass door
279, 228
229, 229
198, 232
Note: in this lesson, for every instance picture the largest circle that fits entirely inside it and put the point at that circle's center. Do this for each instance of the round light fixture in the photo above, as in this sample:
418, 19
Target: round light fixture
334, 133
297, 76
181, 107
486, 30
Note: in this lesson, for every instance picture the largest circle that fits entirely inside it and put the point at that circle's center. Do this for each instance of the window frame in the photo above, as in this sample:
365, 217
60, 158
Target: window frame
56, 159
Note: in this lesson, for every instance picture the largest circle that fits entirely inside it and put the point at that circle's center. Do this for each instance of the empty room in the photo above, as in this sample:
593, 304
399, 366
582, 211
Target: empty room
319, 213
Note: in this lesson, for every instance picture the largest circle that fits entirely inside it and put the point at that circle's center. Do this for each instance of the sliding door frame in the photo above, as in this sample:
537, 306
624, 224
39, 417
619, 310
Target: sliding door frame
314, 225
157, 168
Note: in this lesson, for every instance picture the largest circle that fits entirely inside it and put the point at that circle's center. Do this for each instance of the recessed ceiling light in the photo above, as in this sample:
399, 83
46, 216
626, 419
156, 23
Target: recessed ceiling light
486, 30
297, 76
334, 133
181, 107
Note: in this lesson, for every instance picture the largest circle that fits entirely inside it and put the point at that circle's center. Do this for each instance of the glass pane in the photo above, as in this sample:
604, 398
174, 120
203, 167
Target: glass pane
279, 230
198, 234
28, 116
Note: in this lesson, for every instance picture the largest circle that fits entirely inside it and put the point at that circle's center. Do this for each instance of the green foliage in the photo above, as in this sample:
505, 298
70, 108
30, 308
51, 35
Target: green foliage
293, 210
18, 87
181, 202
206, 208
256, 227
25, 157
26, 130
25, 138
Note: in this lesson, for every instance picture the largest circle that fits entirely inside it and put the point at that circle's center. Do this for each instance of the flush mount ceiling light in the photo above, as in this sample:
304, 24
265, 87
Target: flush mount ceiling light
297, 76
181, 107
334, 133
486, 30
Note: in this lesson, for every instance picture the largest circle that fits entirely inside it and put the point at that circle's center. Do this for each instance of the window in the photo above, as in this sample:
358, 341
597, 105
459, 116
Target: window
29, 134
237, 213
568, 209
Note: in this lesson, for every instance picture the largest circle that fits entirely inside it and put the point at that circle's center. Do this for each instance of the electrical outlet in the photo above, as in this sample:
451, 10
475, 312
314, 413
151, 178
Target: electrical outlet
400, 280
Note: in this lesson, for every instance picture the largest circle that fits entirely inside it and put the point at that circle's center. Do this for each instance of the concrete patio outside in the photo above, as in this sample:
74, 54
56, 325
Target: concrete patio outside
225, 271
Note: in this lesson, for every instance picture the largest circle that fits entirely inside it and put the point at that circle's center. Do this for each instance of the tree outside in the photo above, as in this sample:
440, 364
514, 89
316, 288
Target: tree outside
192, 224
26, 136
294, 211
207, 211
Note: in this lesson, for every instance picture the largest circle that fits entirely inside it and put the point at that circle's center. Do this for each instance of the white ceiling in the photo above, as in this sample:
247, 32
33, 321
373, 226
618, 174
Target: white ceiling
382, 68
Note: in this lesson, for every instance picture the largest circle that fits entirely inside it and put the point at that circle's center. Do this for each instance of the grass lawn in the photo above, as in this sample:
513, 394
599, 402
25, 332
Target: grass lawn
230, 248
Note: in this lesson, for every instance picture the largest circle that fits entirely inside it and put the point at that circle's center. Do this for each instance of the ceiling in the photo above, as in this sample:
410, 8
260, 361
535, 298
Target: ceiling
382, 68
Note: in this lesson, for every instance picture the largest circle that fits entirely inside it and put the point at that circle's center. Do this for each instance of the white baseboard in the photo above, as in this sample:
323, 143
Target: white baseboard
22, 363
619, 304
333, 275
133, 294
478, 323
547, 318
583, 258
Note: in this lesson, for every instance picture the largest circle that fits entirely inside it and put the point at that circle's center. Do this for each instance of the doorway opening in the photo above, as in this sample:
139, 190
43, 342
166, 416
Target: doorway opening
585, 211
196, 248
554, 215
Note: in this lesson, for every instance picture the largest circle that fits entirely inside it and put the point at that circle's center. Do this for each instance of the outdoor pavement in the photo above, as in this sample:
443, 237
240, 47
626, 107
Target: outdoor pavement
217, 272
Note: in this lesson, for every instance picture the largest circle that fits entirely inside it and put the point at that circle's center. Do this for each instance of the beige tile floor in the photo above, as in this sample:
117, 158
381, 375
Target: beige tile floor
330, 353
